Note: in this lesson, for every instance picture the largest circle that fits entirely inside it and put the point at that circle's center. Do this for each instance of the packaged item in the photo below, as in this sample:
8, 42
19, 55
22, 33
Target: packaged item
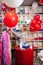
27, 20
30, 36
35, 44
25, 44
35, 35
40, 34
17, 10
21, 19
21, 43
22, 10
26, 10
40, 45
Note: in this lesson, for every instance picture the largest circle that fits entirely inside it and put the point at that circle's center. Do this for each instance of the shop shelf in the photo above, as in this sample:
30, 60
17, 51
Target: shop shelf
38, 48
35, 41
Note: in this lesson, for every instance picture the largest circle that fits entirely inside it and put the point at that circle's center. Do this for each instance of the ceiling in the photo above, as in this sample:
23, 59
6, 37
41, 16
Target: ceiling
29, 2
26, 2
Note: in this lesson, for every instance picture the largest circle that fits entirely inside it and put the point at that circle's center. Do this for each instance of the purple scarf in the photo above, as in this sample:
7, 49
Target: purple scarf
6, 48
0, 52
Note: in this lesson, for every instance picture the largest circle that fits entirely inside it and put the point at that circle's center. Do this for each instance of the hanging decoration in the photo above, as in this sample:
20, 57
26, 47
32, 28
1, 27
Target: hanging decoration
10, 19
11, 9
5, 7
35, 24
13, 3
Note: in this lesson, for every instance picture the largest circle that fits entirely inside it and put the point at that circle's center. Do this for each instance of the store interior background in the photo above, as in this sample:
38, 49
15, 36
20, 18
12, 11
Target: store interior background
36, 60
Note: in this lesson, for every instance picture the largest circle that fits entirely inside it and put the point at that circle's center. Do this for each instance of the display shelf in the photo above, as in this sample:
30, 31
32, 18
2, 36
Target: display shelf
38, 48
28, 13
30, 40
40, 31
35, 41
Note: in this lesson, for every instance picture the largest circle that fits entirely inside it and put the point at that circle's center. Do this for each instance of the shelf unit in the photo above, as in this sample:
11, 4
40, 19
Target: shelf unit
21, 12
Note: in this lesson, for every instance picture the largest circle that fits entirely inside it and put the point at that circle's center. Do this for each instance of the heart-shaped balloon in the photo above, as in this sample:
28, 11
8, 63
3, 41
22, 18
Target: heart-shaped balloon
37, 27
37, 17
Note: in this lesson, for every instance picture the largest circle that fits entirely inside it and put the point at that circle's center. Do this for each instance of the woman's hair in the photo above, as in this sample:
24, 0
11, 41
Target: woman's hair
4, 29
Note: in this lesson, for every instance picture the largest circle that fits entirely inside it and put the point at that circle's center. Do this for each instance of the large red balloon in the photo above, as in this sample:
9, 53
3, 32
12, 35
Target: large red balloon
10, 19
37, 17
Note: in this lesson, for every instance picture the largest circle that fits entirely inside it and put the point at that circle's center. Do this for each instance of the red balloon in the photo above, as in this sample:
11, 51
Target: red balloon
33, 22
40, 1
4, 7
39, 22
10, 19
37, 17
32, 28
37, 27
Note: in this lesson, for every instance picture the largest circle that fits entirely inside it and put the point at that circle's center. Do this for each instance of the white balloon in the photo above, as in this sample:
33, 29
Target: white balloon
13, 3
40, 55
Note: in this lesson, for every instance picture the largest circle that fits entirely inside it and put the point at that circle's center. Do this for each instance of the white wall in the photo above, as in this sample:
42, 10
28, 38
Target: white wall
1, 1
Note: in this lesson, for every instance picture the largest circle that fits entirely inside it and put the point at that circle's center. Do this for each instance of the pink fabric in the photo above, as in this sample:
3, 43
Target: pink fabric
0, 49
0, 52
6, 48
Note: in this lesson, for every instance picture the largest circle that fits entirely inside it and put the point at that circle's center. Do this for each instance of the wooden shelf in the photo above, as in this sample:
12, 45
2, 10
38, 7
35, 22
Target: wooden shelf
35, 41
38, 48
